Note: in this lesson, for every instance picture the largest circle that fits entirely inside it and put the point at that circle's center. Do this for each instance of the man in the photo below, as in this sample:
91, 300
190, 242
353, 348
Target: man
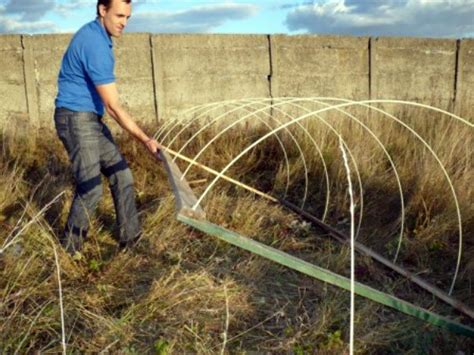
86, 85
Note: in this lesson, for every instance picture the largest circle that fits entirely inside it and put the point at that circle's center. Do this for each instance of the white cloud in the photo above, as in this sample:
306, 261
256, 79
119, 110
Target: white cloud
13, 26
196, 19
68, 9
23, 16
443, 18
30, 10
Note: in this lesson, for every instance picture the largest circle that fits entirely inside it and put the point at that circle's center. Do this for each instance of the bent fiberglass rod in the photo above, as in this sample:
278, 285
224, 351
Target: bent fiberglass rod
214, 106
178, 121
291, 101
254, 113
395, 170
340, 237
364, 104
243, 104
348, 103
223, 116
234, 123
387, 154
448, 179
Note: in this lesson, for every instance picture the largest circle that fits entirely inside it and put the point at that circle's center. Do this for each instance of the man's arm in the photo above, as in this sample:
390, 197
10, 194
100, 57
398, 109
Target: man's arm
110, 97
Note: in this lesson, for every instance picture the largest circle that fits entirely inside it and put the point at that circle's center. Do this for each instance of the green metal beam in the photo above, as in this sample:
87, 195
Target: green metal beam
325, 275
196, 218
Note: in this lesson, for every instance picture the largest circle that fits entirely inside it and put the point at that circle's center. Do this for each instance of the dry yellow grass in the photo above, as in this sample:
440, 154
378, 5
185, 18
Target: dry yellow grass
169, 294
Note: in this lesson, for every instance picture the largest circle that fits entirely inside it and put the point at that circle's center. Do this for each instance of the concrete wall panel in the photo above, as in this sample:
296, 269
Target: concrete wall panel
181, 71
414, 69
134, 72
11, 62
47, 52
320, 66
12, 82
200, 69
465, 93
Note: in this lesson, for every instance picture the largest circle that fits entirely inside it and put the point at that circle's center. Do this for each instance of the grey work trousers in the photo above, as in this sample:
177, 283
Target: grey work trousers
92, 151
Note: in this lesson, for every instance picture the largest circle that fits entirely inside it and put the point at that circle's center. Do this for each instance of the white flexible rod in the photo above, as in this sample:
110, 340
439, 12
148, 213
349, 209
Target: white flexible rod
250, 114
362, 103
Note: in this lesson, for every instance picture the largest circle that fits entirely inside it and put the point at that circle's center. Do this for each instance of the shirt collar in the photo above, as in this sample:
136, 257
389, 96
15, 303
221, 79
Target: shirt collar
104, 32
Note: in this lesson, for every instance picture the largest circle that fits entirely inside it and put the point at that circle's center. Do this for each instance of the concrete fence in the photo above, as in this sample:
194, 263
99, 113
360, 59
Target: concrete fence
159, 76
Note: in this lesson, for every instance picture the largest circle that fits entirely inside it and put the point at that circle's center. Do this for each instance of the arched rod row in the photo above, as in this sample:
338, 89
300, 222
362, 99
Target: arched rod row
255, 101
387, 154
171, 124
242, 119
448, 179
366, 103
261, 120
349, 151
234, 123
243, 105
292, 101
213, 107
391, 116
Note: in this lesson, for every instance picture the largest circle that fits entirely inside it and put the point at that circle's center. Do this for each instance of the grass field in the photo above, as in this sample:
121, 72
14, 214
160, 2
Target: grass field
182, 291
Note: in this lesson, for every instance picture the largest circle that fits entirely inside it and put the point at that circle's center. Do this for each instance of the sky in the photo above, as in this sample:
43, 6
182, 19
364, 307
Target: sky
417, 18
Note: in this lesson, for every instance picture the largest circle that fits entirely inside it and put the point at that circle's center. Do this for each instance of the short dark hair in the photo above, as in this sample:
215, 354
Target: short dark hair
107, 3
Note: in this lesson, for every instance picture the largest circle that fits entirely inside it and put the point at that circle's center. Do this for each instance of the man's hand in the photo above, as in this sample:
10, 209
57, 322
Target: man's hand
109, 95
153, 147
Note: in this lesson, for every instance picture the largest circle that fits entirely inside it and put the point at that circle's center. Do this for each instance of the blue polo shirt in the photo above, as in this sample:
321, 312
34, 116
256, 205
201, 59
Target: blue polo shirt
88, 62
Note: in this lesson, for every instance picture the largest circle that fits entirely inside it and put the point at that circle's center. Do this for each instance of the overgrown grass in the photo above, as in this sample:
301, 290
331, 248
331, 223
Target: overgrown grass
169, 294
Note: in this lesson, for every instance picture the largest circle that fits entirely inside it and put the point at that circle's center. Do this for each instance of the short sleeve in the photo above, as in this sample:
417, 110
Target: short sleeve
99, 64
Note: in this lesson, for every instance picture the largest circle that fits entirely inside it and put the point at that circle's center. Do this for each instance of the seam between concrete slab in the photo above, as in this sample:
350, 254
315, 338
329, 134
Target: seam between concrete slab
457, 75
153, 76
30, 87
158, 77
370, 67
270, 76
24, 73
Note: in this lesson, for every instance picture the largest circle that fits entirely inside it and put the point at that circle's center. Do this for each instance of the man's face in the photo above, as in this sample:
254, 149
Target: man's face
115, 17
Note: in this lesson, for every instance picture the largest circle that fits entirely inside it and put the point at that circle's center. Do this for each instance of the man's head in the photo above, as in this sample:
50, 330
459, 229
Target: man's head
113, 15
